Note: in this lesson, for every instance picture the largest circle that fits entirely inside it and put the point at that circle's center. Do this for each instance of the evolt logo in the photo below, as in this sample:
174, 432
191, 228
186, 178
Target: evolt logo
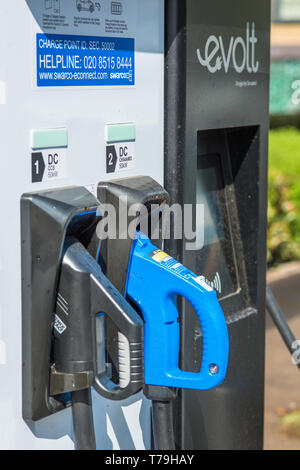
240, 53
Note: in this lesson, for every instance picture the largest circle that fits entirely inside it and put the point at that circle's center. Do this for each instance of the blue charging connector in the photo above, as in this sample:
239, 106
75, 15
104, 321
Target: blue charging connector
154, 281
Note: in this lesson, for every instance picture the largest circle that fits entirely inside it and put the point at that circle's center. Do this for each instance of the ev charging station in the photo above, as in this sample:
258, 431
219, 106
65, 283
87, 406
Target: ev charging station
147, 102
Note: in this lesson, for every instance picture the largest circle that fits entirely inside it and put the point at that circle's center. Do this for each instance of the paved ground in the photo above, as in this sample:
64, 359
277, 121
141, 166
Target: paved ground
282, 377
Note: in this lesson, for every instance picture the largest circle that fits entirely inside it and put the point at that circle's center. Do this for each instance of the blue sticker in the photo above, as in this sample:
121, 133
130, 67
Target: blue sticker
64, 60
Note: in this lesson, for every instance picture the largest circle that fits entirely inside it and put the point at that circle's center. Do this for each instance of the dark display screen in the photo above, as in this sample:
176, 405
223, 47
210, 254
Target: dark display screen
215, 256
213, 227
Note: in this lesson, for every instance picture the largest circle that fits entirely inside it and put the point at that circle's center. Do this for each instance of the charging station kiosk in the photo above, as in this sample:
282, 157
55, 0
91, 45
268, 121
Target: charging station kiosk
216, 109
175, 90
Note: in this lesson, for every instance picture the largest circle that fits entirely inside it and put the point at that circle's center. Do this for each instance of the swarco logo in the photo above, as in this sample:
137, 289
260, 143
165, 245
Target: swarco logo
239, 53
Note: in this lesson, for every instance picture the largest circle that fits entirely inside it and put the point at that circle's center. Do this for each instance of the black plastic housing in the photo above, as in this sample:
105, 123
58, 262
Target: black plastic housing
123, 194
45, 220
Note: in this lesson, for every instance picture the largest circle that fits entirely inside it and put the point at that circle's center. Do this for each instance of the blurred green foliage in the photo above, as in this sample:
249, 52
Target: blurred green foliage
285, 120
290, 423
284, 196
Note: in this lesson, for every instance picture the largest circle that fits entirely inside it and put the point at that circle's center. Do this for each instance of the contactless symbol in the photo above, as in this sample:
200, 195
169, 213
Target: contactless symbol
215, 283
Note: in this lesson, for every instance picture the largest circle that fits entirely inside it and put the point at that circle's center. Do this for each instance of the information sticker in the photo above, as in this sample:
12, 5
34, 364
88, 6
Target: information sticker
48, 165
64, 60
120, 157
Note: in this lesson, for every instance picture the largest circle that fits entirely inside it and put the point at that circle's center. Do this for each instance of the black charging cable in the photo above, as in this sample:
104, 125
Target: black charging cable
83, 422
162, 425
162, 416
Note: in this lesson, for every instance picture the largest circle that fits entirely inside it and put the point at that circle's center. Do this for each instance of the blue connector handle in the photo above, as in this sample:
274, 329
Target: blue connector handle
153, 283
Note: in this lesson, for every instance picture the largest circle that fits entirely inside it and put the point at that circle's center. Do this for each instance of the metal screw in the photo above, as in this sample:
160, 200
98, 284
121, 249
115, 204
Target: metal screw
213, 369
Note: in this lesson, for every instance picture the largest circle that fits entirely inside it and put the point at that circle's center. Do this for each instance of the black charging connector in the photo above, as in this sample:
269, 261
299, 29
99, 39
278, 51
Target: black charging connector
84, 295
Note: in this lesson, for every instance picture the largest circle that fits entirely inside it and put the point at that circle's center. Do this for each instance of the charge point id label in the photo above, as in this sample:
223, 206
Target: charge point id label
48, 165
120, 157
68, 60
